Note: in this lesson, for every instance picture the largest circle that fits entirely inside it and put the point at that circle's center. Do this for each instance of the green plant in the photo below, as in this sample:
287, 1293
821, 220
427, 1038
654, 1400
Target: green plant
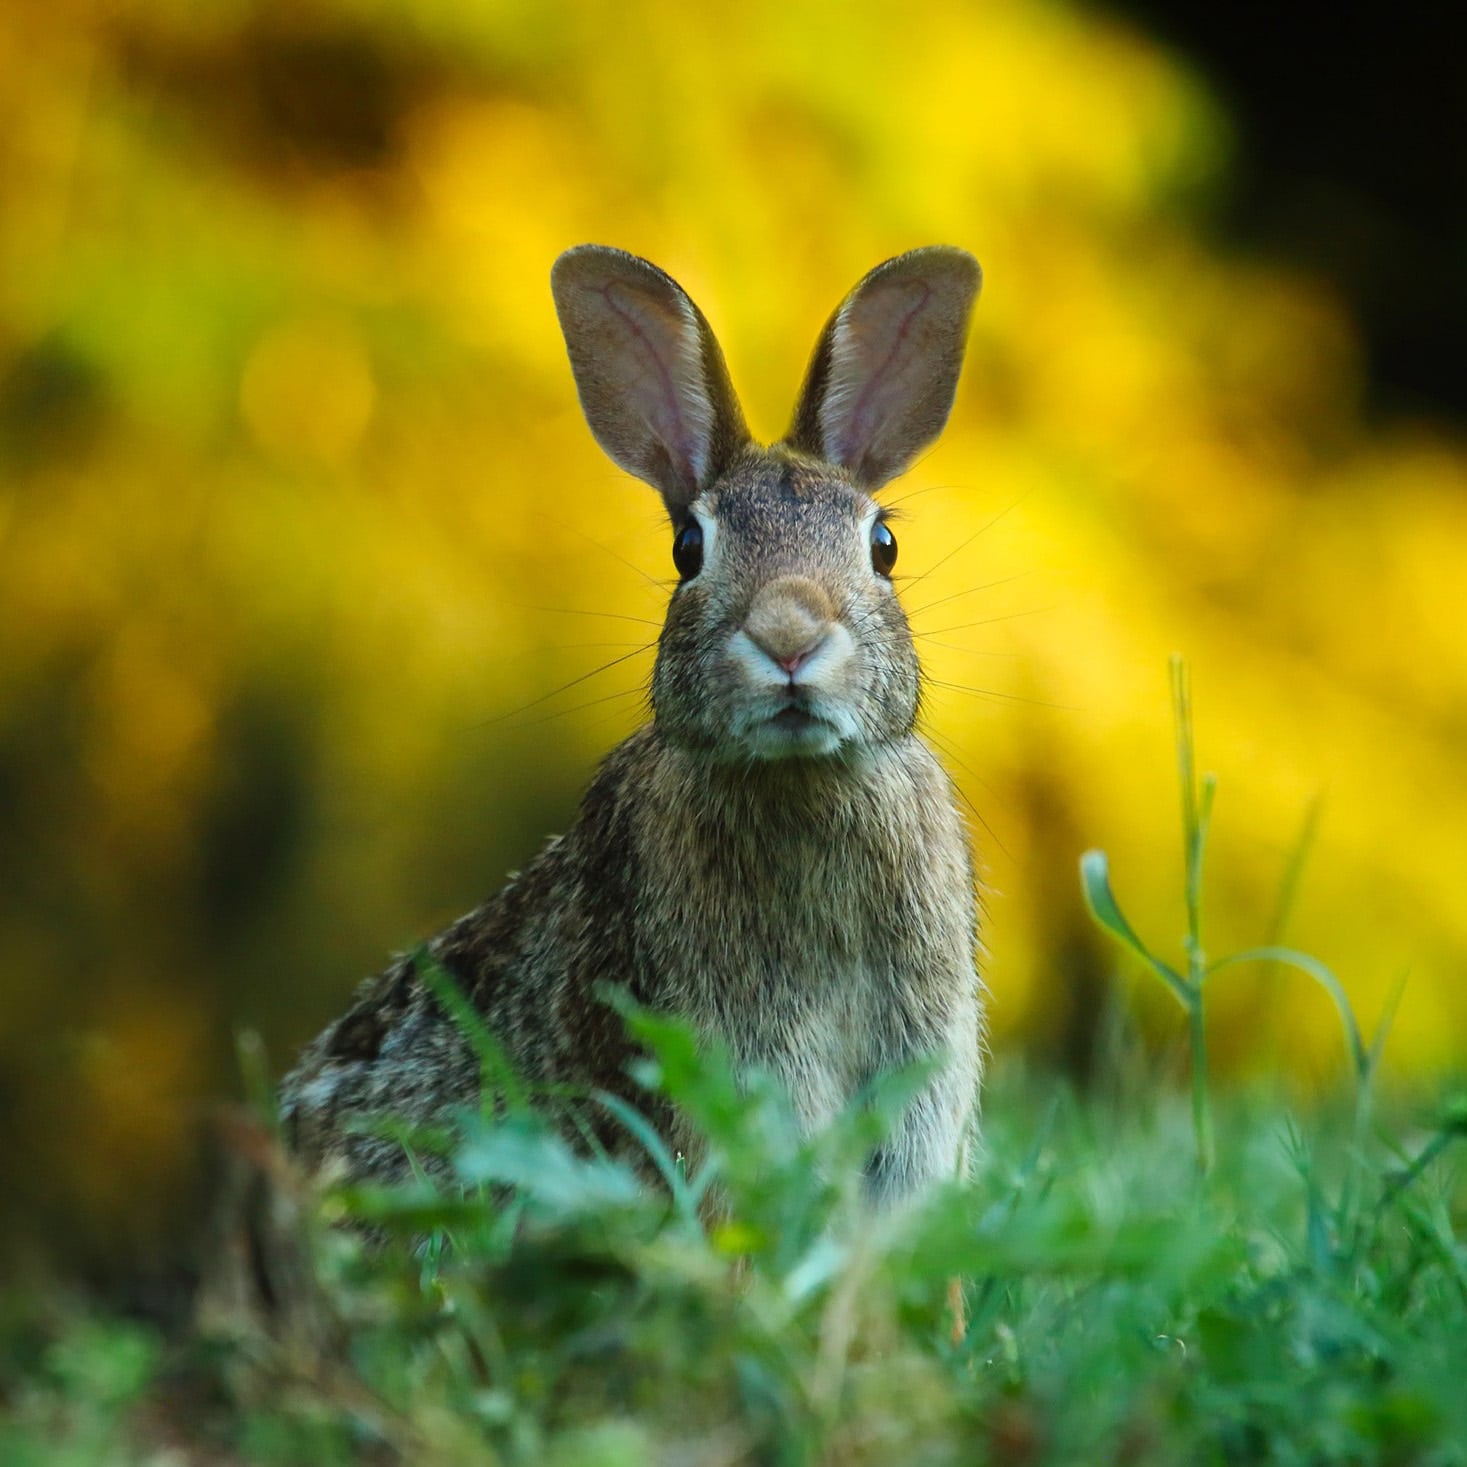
1188, 984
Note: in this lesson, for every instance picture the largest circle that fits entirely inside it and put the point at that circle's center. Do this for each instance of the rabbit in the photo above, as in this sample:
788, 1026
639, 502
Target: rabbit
777, 858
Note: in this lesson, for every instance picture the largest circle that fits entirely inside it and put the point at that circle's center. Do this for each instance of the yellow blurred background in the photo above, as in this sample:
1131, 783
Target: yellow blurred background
301, 531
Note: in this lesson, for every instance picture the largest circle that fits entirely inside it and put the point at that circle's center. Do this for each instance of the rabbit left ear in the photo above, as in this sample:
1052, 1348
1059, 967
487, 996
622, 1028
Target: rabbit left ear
650, 375
880, 385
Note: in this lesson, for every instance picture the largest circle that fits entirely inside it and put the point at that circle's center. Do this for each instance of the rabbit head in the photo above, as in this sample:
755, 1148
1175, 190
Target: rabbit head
784, 637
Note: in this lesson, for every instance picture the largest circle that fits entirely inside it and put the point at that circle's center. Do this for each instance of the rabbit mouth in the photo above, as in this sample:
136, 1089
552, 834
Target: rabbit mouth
791, 732
796, 720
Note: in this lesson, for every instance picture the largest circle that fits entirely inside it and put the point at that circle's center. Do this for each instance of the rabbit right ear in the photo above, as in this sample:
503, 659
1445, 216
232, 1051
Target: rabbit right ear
881, 383
651, 378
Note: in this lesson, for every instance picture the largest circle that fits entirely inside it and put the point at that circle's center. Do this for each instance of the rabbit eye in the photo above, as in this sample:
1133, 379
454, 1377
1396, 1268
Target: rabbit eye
687, 550
883, 548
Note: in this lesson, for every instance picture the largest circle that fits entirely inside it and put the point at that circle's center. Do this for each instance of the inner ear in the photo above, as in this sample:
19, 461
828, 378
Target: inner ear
650, 375
881, 382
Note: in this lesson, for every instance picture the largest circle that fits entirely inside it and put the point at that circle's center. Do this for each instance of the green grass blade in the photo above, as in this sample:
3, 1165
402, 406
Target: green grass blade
1385, 1023
1192, 819
1360, 1057
1196, 813
669, 1167
1294, 864
1095, 883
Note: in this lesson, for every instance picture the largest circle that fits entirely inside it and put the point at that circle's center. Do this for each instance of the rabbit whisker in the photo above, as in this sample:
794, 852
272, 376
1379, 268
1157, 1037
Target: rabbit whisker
915, 494
981, 530
969, 591
879, 640
614, 716
993, 693
584, 646
948, 747
566, 687
646, 621
987, 621
575, 708
614, 554
966, 651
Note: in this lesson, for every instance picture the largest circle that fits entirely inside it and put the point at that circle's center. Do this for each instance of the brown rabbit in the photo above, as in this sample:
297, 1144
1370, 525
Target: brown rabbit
776, 857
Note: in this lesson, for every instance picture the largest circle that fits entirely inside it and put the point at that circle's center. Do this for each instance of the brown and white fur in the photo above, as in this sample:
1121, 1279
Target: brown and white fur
776, 857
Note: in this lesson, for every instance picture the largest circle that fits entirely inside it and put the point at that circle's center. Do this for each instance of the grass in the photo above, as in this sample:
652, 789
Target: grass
1150, 1277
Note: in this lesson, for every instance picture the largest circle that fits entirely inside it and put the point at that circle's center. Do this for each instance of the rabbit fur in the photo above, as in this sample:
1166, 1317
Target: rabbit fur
777, 856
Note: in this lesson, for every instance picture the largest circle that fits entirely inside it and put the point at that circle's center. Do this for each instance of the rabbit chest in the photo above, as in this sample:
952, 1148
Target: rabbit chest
819, 918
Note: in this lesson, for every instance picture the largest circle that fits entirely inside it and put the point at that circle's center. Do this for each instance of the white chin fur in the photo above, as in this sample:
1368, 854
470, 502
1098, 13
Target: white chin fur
810, 741
759, 733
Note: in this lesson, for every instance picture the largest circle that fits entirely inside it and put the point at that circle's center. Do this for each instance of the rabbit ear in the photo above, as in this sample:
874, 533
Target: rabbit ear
881, 382
650, 376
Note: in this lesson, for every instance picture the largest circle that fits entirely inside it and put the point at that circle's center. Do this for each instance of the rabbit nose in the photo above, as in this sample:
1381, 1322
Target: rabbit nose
788, 620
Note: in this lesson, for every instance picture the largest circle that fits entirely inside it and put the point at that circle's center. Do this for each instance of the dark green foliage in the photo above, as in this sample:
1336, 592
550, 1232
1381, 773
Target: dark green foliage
1303, 1302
